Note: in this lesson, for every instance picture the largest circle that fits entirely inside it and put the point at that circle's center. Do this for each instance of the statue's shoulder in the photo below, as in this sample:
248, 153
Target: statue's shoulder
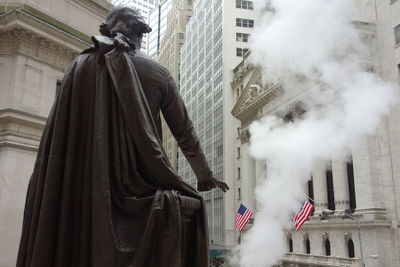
144, 63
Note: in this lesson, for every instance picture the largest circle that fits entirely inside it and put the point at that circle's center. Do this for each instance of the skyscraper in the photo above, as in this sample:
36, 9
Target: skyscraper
216, 39
158, 23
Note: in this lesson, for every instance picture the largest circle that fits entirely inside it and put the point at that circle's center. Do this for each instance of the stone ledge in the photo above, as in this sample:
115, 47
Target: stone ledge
28, 13
318, 260
345, 224
62, 34
20, 129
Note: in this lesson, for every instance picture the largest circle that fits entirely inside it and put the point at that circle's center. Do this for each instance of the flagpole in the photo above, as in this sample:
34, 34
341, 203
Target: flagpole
310, 198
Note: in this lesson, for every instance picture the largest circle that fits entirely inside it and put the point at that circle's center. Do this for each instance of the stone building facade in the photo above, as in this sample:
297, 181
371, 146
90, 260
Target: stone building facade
38, 41
364, 228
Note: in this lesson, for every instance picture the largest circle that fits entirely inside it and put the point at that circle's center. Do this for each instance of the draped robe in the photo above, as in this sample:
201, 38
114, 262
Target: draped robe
103, 192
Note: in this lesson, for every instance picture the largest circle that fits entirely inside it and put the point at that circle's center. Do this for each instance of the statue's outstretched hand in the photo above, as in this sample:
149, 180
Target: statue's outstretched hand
212, 183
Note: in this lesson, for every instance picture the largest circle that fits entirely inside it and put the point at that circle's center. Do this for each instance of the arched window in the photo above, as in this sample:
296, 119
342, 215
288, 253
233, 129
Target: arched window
290, 245
308, 247
350, 247
327, 247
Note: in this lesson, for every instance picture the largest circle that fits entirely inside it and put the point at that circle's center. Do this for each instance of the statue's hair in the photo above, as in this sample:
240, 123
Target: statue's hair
116, 22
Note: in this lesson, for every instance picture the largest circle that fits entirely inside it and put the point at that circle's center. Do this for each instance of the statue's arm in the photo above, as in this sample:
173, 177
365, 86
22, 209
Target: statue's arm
177, 118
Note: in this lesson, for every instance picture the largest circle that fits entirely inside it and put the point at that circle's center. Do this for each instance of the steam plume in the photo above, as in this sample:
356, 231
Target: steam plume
317, 41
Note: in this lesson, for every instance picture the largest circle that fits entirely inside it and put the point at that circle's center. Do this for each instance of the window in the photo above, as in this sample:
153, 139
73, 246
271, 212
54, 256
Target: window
239, 194
327, 247
329, 185
238, 152
239, 175
242, 37
246, 23
240, 52
181, 35
244, 4
290, 245
220, 151
350, 179
308, 247
350, 248
396, 34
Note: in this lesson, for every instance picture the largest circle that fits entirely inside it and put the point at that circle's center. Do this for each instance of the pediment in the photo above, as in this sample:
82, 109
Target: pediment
255, 94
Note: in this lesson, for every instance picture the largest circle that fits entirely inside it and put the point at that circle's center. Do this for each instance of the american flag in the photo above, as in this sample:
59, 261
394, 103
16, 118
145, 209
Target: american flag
302, 215
243, 215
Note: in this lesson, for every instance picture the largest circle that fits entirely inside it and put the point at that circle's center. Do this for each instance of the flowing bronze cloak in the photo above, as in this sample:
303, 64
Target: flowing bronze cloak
102, 192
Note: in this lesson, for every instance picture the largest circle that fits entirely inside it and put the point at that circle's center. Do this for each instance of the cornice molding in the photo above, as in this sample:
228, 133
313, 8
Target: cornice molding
27, 35
65, 35
44, 18
21, 117
25, 42
102, 6
20, 129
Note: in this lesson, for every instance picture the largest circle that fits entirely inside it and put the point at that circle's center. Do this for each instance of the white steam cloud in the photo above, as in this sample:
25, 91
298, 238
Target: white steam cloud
317, 41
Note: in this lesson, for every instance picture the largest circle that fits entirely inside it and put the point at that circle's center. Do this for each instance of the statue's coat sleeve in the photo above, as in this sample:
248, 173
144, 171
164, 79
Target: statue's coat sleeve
177, 118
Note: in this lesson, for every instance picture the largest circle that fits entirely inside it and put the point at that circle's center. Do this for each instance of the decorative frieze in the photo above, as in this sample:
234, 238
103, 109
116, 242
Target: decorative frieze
20, 18
26, 42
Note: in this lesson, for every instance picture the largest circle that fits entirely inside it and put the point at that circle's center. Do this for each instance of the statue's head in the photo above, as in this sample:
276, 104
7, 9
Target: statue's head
125, 20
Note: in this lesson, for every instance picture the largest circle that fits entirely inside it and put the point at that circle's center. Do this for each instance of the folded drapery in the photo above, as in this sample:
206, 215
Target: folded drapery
103, 192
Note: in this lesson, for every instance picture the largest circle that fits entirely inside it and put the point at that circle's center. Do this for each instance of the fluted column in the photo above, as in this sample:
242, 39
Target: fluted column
340, 184
320, 190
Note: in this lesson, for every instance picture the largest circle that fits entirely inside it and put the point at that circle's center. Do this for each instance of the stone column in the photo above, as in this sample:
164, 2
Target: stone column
365, 174
319, 184
340, 184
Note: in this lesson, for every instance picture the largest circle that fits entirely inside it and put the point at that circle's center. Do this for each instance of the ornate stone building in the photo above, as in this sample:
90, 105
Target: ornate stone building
38, 40
364, 192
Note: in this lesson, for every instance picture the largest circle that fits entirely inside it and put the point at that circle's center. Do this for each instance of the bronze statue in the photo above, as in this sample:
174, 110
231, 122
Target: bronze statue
103, 193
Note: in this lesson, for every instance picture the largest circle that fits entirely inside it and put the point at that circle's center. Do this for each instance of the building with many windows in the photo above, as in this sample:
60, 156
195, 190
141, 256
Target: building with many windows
158, 21
38, 41
145, 7
356, 218
208, 57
